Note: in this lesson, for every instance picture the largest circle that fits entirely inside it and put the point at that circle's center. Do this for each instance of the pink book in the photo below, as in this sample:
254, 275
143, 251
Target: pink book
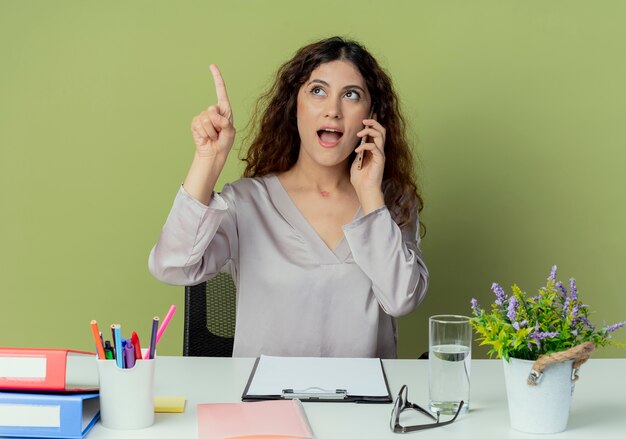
263, 419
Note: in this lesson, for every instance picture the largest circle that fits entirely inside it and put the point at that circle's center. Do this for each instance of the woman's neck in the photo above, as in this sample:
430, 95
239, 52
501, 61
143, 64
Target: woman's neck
324, 180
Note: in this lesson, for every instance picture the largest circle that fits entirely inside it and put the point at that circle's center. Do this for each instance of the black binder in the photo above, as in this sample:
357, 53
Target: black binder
317, 394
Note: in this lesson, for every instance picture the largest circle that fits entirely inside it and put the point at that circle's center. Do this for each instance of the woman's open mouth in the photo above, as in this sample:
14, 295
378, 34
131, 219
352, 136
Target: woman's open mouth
328, 137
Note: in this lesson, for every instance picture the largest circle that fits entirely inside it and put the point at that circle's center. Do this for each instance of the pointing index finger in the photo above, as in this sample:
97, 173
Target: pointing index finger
220, 89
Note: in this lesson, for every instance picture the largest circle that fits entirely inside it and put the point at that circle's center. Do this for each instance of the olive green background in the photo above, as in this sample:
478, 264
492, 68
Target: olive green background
517, 109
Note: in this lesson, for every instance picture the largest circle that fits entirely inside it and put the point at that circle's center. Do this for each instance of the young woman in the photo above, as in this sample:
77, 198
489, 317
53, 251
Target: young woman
323, 249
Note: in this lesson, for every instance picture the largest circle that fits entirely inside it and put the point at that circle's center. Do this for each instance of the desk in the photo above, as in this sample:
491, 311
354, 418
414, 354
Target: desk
598, 409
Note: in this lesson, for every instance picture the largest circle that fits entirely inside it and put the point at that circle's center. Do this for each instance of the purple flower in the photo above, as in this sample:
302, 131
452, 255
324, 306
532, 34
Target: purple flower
614, 327
572, 289
587, 322
542, 335
560, 286
500, 294
519, 325
474, 303
539, 335
574, 313
512, 311
552, 274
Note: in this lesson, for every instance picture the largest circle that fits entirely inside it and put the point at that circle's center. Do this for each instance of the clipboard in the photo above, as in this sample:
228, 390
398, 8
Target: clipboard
313, 379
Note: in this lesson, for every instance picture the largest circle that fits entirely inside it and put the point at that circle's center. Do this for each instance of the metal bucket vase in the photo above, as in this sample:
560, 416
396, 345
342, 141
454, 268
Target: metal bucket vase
543, 407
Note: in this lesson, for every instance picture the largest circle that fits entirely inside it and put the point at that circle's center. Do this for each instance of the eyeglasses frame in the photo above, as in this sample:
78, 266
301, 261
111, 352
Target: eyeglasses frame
394, 424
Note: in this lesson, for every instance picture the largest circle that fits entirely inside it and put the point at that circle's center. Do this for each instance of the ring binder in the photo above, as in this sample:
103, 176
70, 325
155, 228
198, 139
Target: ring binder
314, 393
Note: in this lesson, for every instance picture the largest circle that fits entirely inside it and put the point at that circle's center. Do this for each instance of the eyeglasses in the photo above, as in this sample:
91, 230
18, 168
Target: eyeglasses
402, 403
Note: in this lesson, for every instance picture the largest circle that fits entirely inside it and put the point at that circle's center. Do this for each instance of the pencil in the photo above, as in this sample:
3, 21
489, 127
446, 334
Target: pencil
98, 340
151, 349
166, 321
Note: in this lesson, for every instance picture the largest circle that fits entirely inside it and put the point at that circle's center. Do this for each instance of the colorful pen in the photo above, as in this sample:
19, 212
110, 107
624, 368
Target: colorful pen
129, 351
113, 339
109, 351
135, 338
97, 339
152, 348
166, 321
119, 356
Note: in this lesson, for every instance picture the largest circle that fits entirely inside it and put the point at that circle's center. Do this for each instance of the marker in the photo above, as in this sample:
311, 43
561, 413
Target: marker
129, 351
135, 338
166, 322
108, 350
119, 356
152, 348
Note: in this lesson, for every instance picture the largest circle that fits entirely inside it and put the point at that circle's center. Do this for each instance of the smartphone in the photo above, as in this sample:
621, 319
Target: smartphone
360, 155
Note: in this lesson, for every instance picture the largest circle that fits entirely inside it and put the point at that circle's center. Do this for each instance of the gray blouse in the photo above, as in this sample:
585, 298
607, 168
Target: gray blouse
295, 296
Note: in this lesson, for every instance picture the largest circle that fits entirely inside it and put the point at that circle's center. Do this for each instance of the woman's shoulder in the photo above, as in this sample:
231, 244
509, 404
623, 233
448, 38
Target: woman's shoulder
248, 188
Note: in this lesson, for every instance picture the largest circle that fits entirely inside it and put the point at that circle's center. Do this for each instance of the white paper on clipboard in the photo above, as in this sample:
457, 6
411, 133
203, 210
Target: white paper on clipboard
358, 376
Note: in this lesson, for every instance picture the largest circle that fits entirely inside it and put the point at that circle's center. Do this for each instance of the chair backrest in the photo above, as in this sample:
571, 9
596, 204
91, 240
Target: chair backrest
210, 313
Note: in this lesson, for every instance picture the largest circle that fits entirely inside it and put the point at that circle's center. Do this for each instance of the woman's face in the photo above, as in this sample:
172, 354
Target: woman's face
332, 104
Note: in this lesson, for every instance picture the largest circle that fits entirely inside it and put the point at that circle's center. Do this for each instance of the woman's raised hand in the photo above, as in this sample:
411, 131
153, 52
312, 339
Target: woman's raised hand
370, 176
367, 181
213, 131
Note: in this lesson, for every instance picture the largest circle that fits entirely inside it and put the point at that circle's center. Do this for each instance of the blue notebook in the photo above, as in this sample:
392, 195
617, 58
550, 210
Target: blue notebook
60, 415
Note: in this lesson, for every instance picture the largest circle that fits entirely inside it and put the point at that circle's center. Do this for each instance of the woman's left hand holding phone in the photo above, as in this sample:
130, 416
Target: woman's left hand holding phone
213, 134
367, 181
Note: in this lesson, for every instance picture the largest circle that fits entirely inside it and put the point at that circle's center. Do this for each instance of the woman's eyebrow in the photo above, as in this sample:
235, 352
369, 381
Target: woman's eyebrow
321, 81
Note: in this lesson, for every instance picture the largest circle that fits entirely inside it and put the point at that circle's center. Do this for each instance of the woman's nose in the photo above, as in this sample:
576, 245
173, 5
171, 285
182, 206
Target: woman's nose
333, 108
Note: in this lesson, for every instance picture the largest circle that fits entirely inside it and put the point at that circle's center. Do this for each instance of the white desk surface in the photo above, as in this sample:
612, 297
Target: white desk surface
598, 408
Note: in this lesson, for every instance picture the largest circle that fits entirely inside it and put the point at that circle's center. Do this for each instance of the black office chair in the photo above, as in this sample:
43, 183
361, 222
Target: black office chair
210, 309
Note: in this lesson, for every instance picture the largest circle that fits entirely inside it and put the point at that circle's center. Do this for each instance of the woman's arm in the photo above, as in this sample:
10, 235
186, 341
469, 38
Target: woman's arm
388, 255
196, 239
213, 134
391, 258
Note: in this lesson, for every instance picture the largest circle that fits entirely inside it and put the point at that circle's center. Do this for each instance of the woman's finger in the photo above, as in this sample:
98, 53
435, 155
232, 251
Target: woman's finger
224, 127
196, 126
373, 123
374, 135
220, 90
207, 122
199, 139
371, 147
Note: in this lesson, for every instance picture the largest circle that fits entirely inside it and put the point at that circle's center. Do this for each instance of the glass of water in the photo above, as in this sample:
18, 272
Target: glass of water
449, 363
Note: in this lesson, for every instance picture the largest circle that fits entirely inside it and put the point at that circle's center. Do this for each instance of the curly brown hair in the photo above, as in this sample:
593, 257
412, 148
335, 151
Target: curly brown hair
275, 113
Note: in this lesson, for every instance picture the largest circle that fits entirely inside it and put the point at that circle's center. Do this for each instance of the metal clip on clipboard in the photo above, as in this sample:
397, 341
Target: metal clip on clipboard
314, 393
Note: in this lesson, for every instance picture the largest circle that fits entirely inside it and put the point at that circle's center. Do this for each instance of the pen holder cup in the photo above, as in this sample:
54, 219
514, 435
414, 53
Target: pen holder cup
126, 395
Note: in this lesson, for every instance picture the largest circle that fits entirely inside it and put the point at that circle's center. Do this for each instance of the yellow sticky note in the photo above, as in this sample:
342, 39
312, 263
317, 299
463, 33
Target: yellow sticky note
169, 404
